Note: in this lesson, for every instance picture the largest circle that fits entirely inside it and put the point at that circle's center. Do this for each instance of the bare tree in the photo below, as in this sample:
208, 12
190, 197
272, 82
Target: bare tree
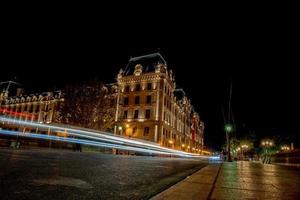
89, 105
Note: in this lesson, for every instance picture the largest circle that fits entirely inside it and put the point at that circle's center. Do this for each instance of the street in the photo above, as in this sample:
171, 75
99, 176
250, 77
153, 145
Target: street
56, 174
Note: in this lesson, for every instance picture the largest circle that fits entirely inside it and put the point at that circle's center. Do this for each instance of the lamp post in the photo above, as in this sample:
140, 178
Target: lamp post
266, 145
285, 148
244, 148
228, 129
120, 128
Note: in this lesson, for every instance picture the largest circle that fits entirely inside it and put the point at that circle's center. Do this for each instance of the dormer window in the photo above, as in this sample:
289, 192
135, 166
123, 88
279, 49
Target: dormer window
138, 70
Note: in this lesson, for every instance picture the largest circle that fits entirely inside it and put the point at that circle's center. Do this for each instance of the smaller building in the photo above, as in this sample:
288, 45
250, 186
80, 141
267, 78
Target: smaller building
41, 107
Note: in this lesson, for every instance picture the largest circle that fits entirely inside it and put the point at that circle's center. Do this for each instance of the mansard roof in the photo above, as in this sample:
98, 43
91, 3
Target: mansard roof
148, 63
179, 94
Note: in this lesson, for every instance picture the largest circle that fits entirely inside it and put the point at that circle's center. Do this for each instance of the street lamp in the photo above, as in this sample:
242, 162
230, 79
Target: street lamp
285, 148
244, 148
120, 128
228, 129
266, 145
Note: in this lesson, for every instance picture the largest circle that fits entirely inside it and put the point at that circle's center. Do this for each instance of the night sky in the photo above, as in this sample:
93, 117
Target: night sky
262, 67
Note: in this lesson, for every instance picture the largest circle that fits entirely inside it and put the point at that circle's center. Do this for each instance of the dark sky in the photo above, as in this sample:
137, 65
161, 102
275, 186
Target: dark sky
261, 62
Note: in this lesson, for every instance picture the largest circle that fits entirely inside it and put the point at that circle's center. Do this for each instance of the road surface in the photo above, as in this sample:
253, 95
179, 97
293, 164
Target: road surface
56, 174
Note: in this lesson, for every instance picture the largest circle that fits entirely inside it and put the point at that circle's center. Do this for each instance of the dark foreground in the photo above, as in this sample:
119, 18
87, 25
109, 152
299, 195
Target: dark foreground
49, 174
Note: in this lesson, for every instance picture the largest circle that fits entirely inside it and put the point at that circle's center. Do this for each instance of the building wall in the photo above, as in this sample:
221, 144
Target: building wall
172, 121
39, 107
170, 117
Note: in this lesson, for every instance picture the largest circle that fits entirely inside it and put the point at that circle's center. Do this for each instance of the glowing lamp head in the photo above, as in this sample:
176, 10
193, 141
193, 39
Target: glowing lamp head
228, 128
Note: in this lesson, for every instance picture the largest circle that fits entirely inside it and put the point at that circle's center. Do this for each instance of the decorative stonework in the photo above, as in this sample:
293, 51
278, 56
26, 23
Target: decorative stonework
171, 113
120, 74
138, 70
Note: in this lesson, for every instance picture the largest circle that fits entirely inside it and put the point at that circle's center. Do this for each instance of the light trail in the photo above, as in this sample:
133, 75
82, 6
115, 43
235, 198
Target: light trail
18, 114
101, 136
80, 141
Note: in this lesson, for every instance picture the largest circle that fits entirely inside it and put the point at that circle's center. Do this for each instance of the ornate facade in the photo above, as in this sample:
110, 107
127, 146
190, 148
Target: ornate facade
150, 107
144, 103
35, 107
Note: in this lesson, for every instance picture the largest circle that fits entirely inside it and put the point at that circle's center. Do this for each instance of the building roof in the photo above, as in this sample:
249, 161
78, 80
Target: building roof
148, 63
179, 94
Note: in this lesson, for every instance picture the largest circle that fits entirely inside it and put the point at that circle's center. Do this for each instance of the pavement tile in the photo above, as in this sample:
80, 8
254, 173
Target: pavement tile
186, 190
238, 180
199, 178
196, 186
231, 193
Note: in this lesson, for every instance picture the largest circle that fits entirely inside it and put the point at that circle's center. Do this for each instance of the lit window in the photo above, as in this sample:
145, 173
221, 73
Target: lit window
134, 130
147, 114
126, 101
146, 131
137, 100
125, 114
148, 100
138, 87
149, 86
136, 114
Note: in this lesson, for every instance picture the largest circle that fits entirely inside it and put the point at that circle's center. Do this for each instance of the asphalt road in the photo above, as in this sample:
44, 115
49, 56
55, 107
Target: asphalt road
53, 174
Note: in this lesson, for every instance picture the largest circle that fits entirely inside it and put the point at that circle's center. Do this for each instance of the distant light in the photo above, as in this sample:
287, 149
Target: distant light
120, 128
127, 125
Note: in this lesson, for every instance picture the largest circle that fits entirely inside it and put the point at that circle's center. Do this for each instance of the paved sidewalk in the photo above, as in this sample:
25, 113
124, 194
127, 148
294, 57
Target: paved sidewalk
238, 180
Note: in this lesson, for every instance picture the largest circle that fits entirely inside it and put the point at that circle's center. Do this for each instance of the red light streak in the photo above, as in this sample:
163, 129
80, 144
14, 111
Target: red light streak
19, 114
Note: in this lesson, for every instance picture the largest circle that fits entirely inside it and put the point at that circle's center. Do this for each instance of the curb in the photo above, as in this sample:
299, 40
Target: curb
196, 186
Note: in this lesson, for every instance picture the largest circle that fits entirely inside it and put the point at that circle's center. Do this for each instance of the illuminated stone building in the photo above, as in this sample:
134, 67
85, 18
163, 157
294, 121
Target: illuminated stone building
144, 103
150, 107
40, 107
